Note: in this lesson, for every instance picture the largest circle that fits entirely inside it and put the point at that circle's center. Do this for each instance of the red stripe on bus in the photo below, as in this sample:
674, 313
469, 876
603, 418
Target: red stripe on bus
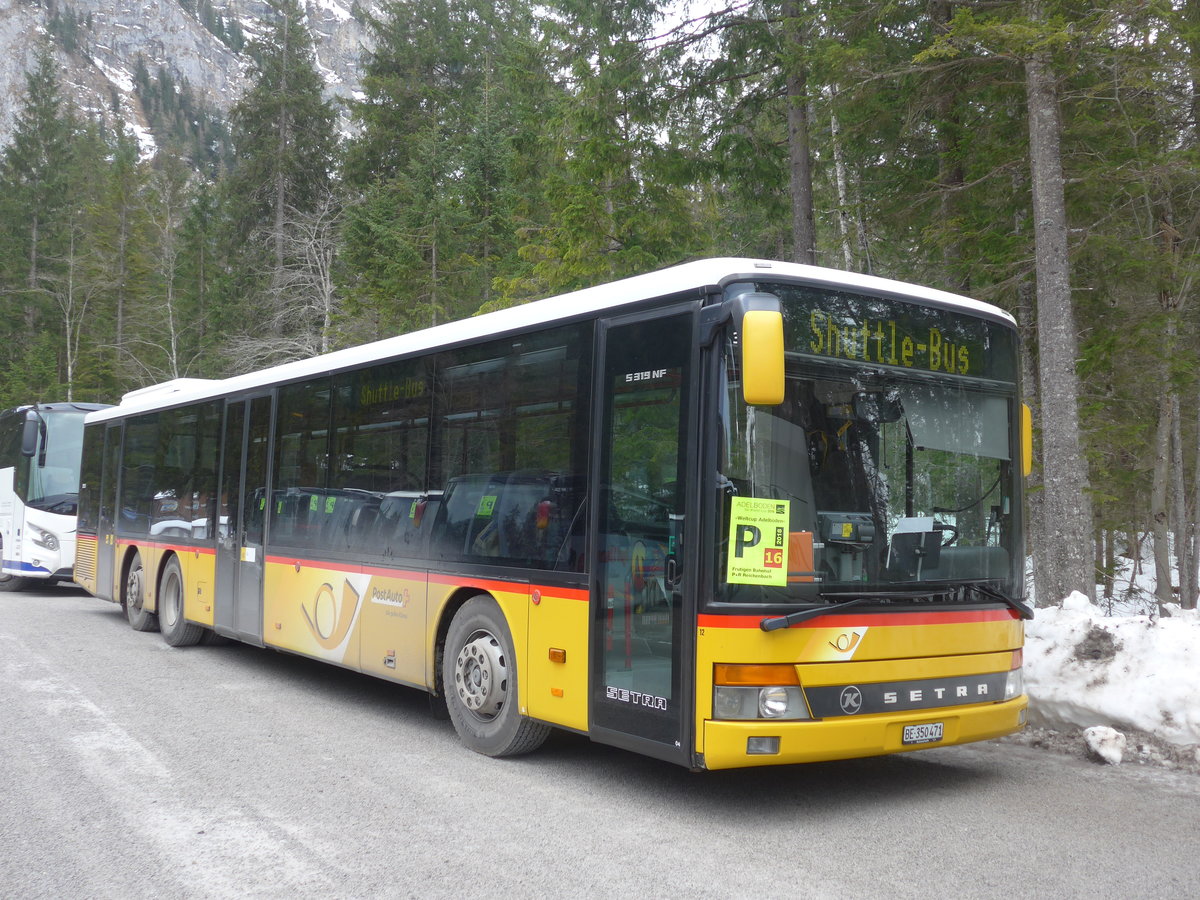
177, 548
483, 584
949, 617
518, 587
291, 561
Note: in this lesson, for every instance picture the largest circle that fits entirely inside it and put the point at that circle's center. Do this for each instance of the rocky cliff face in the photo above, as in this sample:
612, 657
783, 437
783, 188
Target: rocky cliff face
99, 45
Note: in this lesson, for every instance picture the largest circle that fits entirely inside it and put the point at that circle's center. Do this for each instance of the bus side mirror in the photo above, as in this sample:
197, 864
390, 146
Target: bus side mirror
1026, 440
30, 434
761, 324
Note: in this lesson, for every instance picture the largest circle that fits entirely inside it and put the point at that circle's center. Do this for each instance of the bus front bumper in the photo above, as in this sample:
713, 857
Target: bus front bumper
735, 744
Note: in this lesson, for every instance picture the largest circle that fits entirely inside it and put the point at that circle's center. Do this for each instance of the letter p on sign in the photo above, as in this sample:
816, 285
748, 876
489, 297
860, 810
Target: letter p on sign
747, 536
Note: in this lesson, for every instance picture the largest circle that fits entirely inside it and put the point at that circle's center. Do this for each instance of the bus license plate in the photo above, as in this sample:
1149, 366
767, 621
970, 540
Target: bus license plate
923, 734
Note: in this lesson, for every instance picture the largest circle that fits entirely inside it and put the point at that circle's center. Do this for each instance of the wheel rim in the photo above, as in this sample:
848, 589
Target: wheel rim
133, 589
170, 599
481, 676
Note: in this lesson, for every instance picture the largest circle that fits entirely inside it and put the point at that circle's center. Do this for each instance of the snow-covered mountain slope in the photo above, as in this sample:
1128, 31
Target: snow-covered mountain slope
98, 43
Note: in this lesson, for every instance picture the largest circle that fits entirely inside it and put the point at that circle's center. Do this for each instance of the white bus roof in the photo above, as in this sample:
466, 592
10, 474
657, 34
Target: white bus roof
693, 276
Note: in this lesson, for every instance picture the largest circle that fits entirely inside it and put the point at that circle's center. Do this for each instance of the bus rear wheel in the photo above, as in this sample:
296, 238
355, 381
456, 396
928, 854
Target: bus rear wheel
140, 619
479, 677
176, 630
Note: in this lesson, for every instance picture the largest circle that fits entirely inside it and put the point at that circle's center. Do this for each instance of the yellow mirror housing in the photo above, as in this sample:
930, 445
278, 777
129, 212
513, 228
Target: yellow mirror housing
1026, 439
762, 357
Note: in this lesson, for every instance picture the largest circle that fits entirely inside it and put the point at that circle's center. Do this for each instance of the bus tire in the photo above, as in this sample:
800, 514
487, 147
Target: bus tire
479, 677
13, 583
176, 630
140, 619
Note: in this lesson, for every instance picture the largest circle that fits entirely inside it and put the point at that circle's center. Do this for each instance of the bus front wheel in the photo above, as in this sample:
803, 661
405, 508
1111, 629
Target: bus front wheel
140, 619
176, 630
13, 582
479, 677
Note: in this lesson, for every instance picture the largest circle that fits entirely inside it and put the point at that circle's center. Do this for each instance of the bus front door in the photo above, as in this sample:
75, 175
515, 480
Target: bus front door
106, 523
638, 612
240, 564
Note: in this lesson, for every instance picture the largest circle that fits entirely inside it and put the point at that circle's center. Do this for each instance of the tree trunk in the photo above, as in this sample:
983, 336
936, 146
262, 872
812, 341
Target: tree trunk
1178, 504
282, 147
1158, 503
1066, 547
1189, 601
1191, 36
843, 195
804, 237
1027, 325
951, 174
1110, 563
30, 307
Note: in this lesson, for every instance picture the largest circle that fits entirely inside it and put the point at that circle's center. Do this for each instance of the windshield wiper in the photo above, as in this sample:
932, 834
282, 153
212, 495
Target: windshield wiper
983, 589
774, 623
973, 589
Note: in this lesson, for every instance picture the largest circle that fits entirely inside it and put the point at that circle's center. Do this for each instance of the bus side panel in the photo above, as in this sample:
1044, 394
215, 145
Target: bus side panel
153, 557
392, 625
10, 526
86, 553
199, 567
860, 650
558, 657
312, 608
513, 600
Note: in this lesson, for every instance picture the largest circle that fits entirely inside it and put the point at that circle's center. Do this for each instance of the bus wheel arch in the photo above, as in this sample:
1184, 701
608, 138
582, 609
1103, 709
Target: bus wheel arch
133, 594
478, 678
176, 630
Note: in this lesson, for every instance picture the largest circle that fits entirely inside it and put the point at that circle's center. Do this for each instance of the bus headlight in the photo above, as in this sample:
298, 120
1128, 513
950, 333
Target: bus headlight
758, 692
1014, 685
778, 702
43, 538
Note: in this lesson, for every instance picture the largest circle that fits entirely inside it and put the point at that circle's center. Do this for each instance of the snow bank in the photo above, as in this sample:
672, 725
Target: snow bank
1084, 669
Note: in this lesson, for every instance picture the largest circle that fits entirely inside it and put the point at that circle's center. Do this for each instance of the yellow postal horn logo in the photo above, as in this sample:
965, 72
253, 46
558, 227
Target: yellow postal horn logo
329, 620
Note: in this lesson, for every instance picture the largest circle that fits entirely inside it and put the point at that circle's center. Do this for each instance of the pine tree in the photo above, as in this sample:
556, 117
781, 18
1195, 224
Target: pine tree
449, 161
614, 203
118, 238
36, 176
283, 132
285, 145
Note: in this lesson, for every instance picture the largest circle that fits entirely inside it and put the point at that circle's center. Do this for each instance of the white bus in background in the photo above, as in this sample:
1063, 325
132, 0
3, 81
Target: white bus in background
40, 447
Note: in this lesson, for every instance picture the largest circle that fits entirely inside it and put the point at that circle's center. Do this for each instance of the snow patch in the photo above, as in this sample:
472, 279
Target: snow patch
1085, 669
335, 9
120, 78
1105, 744
147, 146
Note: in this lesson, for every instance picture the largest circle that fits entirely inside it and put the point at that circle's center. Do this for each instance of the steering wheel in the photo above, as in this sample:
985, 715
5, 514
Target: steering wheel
941, 526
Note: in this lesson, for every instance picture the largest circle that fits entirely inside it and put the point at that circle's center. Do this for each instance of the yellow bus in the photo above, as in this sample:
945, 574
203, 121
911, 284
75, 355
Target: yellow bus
731, 513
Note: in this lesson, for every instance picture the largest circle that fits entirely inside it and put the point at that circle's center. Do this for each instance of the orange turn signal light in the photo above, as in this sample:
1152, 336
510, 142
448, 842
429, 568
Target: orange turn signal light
752, 676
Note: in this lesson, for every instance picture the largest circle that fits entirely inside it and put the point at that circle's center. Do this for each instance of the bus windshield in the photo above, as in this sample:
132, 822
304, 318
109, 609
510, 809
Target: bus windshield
50, 479
870, 477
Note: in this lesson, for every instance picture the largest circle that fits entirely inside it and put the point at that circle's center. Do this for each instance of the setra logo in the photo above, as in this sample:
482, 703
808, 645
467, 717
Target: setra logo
851, 700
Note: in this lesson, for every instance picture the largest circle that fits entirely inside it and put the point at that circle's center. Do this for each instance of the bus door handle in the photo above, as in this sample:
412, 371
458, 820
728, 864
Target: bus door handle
673, 573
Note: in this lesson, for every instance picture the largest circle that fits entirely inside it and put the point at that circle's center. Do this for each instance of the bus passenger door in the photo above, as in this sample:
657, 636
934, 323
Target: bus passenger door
240, 563
106, 523
638, 691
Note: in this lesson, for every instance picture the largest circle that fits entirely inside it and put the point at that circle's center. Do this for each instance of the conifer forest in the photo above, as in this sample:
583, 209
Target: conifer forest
1041, 155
